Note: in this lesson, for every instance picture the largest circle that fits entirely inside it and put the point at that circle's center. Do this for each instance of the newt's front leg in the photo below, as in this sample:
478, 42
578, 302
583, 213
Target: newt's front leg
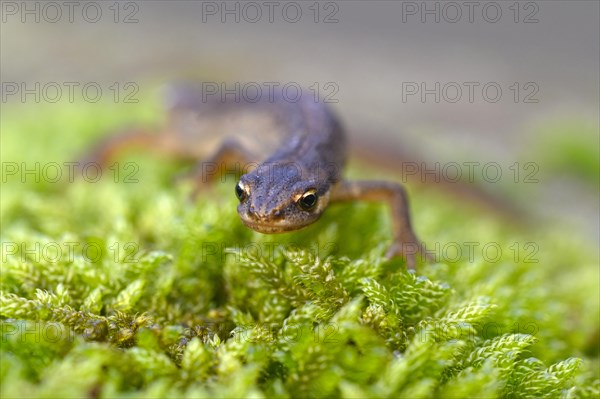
230, 153
405, 242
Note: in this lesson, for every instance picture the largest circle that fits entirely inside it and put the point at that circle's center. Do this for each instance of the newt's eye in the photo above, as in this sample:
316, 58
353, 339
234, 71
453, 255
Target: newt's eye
308, 200
240, 192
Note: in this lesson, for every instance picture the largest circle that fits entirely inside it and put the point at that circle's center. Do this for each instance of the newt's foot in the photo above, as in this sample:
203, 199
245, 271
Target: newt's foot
408, 249
201, 181
88, 166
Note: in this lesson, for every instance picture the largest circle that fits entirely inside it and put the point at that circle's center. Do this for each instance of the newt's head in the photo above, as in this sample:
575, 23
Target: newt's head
280, 197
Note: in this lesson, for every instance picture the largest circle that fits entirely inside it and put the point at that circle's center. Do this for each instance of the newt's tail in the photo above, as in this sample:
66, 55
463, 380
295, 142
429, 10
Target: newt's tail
387, 155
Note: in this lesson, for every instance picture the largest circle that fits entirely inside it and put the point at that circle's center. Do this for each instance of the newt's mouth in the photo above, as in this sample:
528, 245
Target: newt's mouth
272, 227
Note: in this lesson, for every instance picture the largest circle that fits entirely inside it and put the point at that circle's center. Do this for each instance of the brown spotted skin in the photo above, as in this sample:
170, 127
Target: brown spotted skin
298, 150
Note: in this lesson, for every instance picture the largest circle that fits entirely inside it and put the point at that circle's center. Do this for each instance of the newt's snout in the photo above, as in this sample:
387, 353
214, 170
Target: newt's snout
259, 215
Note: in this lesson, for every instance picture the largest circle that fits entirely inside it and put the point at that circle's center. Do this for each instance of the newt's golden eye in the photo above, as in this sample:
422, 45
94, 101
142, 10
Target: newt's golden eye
308, 200
240, 192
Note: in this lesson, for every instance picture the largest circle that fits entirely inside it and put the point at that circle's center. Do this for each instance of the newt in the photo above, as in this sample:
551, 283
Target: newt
297, 149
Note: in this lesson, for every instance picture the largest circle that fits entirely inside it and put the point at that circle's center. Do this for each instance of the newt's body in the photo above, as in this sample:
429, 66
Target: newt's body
298, 149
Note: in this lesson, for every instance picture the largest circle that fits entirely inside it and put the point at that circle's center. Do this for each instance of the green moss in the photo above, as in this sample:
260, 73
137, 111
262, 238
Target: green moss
161, 297
569, 146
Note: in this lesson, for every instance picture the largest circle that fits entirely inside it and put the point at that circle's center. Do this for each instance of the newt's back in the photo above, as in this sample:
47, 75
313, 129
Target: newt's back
270, 127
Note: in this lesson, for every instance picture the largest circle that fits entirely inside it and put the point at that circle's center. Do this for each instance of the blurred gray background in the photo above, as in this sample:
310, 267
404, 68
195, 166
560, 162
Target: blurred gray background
369, 53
